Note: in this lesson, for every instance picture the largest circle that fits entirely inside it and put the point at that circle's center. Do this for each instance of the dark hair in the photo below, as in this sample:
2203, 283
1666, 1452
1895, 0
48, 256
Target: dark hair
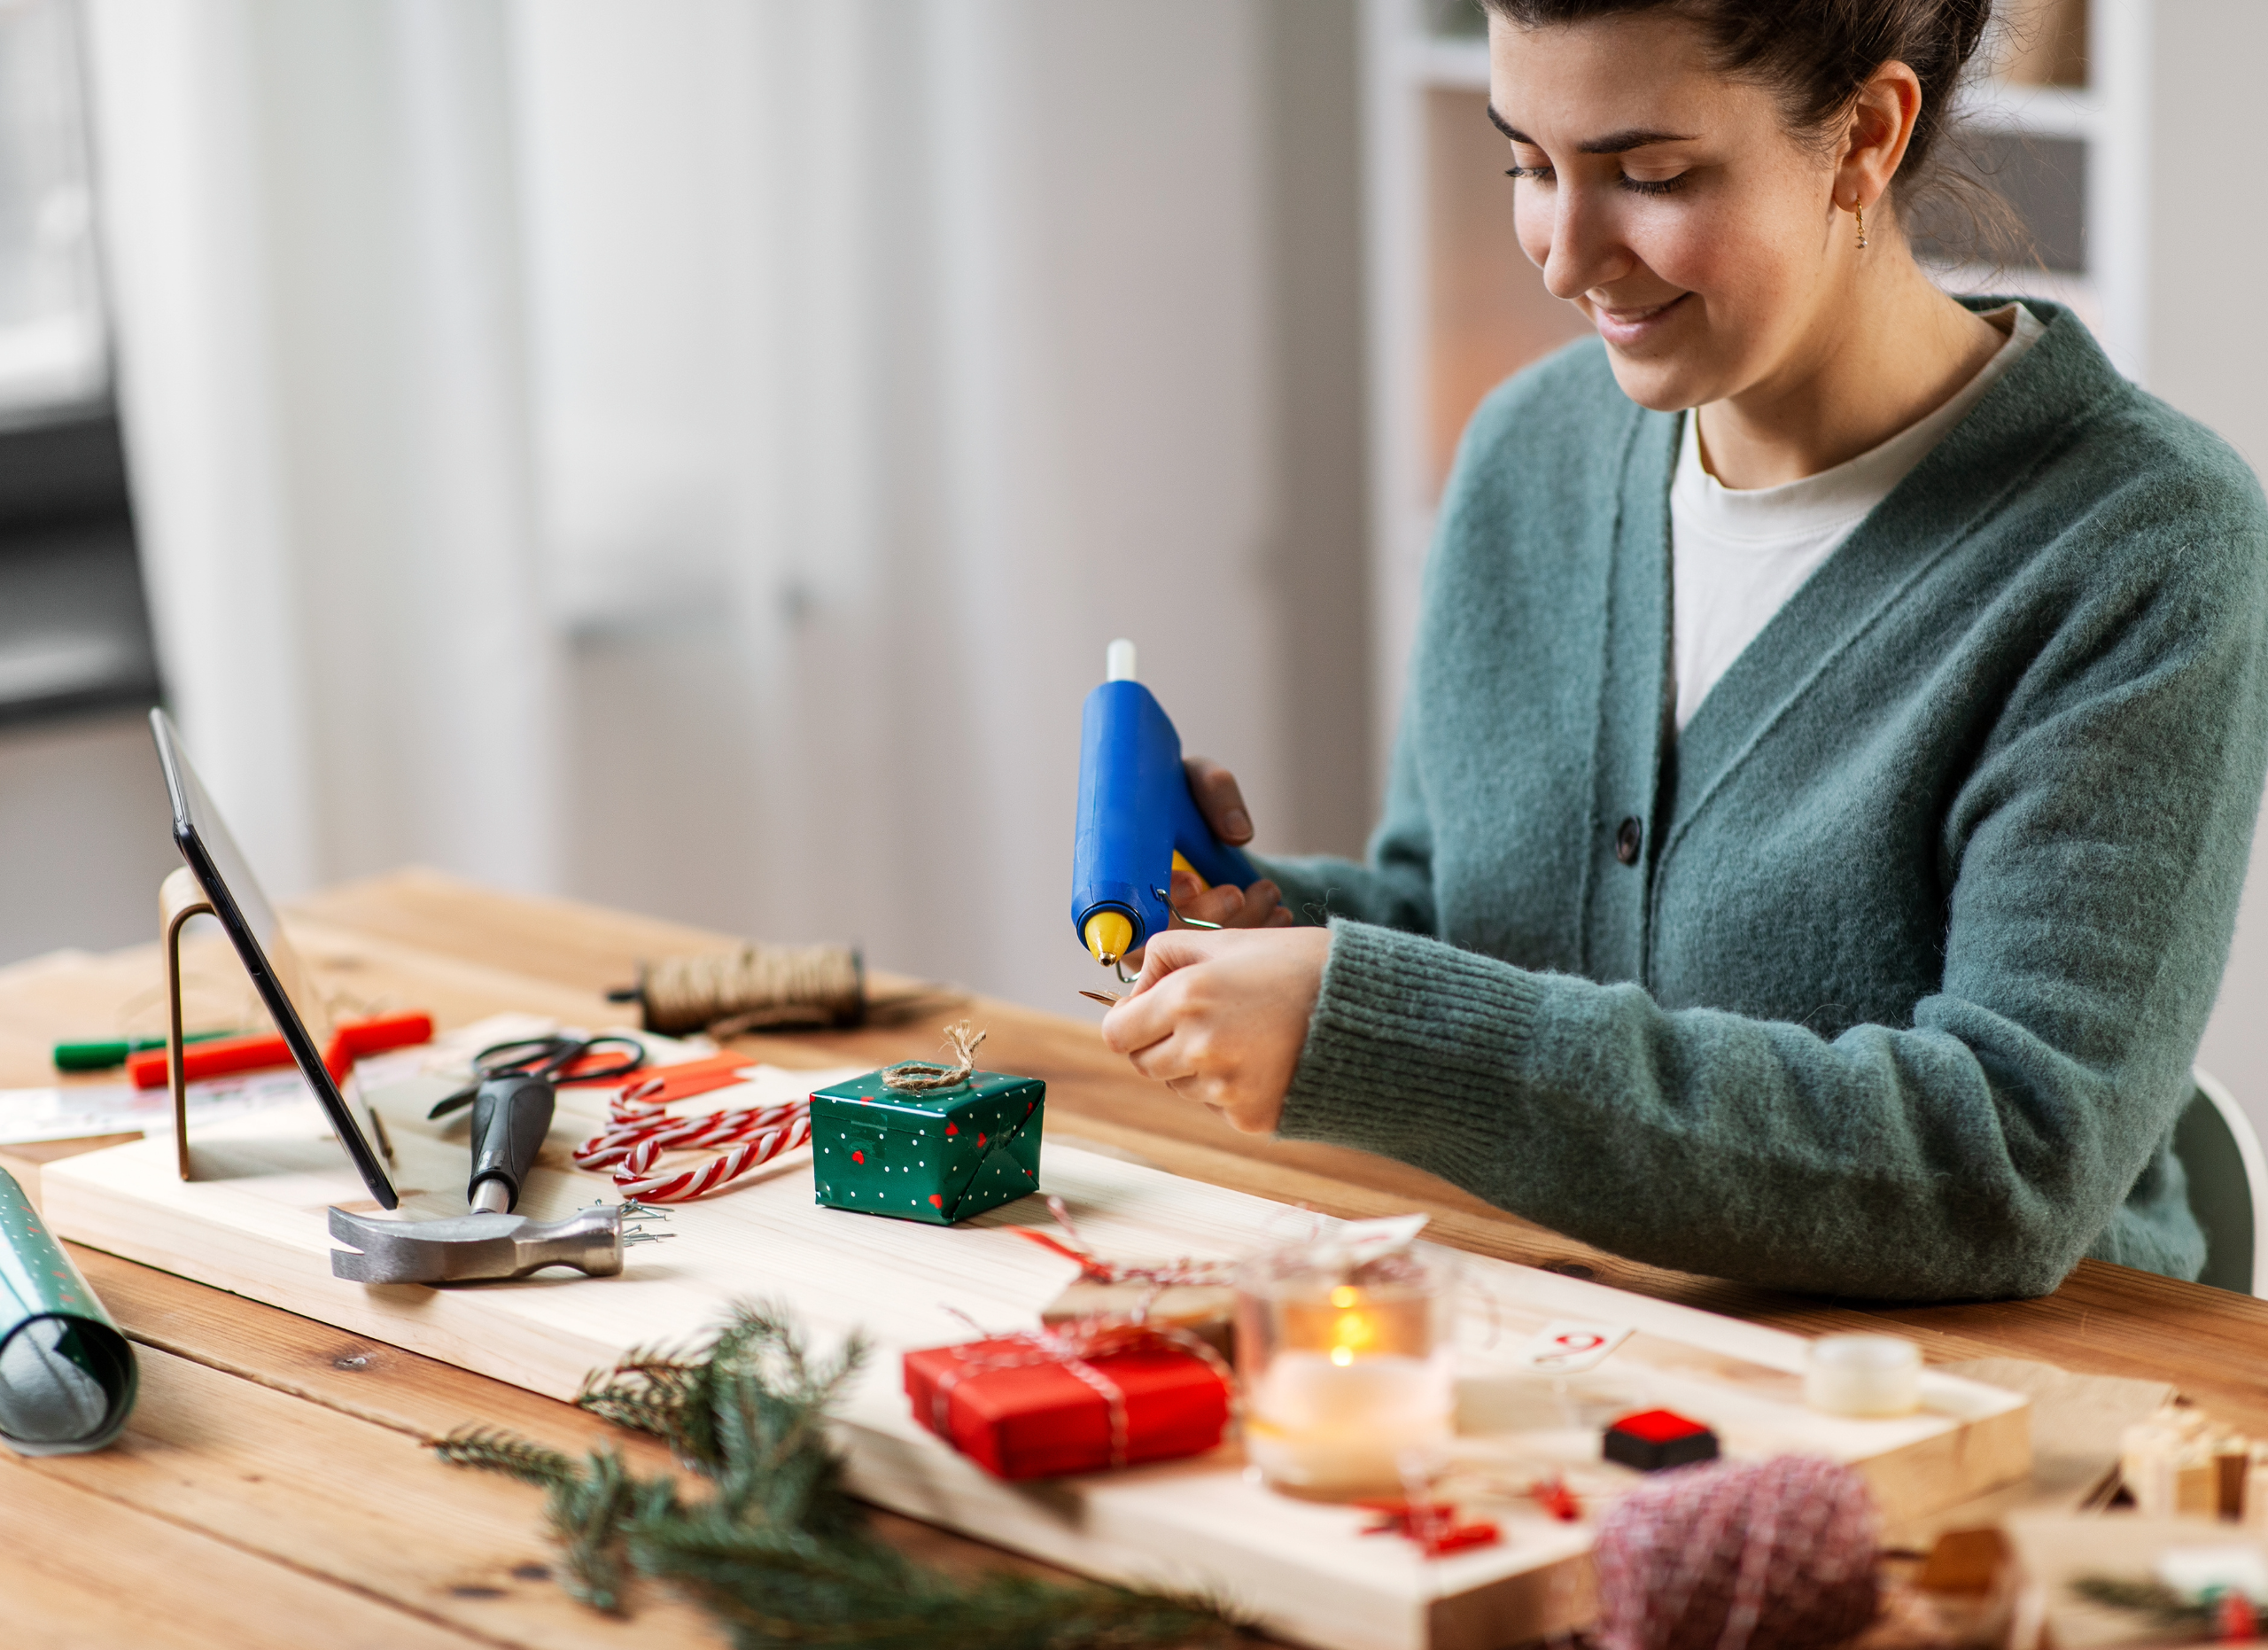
1814, 55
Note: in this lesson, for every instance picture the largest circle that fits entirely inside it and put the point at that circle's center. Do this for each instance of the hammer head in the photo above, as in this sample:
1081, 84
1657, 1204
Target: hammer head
472, 1249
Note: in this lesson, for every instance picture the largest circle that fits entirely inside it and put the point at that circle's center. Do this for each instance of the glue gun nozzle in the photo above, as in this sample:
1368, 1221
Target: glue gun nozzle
1109, 935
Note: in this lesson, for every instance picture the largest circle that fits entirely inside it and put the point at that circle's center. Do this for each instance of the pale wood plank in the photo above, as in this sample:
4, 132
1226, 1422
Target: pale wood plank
85, 1572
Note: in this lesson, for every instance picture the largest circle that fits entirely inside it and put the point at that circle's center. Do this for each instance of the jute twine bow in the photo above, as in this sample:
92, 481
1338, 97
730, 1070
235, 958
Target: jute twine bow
1071, 1346
919, 1076
1094, 1269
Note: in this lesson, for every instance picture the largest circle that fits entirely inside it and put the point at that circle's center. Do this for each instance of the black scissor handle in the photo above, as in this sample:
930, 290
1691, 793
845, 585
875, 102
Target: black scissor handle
633, 1056
526, 1054
544, 1057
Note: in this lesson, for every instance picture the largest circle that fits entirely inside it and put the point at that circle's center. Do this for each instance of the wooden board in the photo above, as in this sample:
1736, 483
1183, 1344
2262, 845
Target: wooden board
253, 1223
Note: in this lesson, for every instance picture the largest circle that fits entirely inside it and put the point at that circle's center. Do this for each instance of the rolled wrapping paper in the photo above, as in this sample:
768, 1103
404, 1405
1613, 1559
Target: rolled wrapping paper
67, 1376
1863, 1375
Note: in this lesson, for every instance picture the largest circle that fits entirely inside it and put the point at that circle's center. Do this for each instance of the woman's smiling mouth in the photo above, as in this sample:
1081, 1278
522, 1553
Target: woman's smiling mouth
1627, 326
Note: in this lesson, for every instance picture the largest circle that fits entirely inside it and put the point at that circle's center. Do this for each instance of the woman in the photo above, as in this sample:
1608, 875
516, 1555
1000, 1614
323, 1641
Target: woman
1835, 731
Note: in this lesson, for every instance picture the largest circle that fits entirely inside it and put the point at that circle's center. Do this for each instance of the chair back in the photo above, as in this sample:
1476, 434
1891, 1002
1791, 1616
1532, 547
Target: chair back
2228, 1187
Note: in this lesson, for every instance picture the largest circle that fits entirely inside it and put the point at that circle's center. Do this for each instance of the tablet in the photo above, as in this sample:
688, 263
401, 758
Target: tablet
280, 978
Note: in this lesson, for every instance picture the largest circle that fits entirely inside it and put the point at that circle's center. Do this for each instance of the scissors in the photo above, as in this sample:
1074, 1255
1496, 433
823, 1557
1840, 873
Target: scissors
556, 1059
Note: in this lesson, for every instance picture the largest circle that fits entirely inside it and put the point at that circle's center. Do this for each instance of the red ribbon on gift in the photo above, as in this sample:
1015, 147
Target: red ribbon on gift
1071, 1345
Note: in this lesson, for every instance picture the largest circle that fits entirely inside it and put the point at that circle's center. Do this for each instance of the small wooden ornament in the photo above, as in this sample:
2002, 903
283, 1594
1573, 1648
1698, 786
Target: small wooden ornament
1192, 1297
2253, 1513
2169, 1466
2232, 1464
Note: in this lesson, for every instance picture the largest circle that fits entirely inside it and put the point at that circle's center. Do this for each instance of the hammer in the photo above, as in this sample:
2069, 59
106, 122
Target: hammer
485, 1248
511, 1114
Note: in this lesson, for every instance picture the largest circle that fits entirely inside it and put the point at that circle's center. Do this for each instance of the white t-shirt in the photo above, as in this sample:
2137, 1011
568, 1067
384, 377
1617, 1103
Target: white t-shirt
1736, 556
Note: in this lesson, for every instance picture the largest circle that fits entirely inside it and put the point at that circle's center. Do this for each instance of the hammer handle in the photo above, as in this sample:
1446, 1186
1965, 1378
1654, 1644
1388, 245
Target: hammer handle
511, 1116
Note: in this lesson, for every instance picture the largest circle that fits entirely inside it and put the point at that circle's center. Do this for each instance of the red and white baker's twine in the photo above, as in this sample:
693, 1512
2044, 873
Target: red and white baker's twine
637, 1133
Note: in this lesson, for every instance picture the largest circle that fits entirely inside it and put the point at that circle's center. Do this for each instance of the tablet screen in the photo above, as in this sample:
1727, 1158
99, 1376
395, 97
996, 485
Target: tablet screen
282, 979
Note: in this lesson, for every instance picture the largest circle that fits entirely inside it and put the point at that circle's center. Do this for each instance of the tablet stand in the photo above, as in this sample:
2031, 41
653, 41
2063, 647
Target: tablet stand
179, 899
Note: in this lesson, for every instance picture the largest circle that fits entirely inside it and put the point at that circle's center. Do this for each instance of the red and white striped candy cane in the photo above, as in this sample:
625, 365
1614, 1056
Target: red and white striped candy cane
637, 1133
687, 1184
667, 1133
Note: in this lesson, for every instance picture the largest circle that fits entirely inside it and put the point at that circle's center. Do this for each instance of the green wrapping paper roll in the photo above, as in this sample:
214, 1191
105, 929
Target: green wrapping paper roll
67, 1376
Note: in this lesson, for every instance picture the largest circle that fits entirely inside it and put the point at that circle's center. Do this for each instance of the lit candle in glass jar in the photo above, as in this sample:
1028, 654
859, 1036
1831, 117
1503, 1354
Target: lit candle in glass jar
1348, 1363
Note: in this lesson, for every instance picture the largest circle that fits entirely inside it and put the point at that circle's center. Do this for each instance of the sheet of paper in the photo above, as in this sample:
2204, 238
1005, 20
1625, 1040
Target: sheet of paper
79, 1111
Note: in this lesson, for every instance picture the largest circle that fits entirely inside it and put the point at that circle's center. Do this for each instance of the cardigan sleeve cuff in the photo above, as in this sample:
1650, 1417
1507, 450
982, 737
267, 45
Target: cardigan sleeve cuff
1415, 1047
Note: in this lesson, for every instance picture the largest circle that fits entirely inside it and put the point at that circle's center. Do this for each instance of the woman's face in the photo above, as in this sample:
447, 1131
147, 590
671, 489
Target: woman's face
1669, 204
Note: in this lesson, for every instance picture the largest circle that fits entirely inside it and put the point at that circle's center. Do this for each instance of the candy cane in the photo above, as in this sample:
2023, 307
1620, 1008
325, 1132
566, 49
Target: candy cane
638, 1131
687, 1184
667, 1133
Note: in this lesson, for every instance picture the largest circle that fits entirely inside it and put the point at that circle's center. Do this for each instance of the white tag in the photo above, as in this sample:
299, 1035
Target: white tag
1564, 1347
1359, 1240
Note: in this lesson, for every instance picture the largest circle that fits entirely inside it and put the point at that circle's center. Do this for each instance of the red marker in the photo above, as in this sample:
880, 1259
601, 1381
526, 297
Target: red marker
225, 1055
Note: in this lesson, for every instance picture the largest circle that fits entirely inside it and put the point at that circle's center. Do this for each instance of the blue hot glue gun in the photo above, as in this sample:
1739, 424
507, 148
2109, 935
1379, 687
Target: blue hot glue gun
1138, 821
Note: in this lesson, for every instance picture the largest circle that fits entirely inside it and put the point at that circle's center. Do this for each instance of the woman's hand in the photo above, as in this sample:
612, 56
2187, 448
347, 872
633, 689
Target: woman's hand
1222, 803
1221, 1018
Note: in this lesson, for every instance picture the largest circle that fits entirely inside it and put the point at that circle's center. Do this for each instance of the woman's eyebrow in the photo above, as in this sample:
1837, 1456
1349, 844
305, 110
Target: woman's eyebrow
1612, 144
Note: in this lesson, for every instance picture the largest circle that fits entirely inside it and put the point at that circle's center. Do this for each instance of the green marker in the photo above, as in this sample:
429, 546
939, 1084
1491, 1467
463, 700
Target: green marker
103, 1056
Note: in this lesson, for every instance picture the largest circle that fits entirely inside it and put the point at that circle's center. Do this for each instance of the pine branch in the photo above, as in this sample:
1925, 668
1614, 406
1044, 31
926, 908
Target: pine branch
500, 1453
587, 1517
2156, 1600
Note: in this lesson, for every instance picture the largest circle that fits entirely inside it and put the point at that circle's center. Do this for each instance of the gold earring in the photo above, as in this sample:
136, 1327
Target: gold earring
1860, 212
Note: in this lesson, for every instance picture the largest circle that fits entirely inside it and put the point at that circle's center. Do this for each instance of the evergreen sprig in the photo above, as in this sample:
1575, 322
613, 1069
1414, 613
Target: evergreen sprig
779, 1552
2161, 1603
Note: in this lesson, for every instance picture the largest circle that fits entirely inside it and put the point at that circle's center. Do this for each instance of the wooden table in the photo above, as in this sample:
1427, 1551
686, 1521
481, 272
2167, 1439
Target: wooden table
272, 1489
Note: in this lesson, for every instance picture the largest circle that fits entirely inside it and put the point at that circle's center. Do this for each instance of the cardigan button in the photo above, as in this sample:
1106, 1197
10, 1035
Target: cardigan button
1627, 838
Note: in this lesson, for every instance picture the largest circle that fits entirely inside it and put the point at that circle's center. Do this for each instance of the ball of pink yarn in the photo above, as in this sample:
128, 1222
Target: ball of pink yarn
1746, 1555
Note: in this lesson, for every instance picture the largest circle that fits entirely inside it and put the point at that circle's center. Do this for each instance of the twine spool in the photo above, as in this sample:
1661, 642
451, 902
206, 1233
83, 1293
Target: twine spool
756, 988
1746, 1555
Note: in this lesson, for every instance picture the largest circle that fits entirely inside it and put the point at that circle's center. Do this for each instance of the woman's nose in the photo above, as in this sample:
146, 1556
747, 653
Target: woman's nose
1586, 249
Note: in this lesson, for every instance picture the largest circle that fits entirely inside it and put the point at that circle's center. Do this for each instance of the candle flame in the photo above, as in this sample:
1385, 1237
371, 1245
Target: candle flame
1343, 1297
1353, 1332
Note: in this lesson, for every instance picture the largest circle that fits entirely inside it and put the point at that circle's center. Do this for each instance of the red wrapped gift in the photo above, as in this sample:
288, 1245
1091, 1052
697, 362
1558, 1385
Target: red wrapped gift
1073, 1398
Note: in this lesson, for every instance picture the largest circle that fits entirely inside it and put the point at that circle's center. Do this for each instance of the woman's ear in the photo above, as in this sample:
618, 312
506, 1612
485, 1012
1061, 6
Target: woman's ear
1881, 126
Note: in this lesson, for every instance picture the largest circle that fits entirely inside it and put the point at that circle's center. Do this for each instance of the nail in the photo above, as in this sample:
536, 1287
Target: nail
1237, 822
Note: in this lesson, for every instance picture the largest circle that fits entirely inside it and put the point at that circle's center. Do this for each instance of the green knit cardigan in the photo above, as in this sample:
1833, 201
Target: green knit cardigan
1882, 978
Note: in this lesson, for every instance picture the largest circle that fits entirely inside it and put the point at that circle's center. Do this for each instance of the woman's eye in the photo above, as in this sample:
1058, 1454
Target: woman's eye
1540, 173
1653, 186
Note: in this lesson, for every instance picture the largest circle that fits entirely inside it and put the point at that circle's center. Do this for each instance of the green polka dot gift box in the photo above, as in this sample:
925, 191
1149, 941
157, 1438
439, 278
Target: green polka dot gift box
940, 1154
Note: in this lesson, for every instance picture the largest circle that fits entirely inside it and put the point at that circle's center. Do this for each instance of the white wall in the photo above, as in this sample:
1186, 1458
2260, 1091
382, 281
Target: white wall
2208, 355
